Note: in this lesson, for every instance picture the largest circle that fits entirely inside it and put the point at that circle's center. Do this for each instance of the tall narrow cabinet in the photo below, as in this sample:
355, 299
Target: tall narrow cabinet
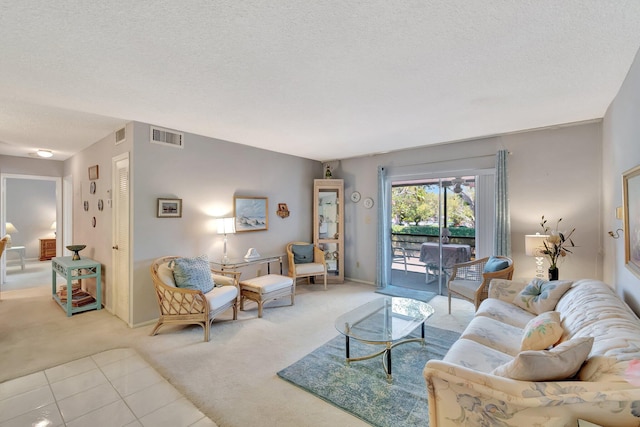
328, 225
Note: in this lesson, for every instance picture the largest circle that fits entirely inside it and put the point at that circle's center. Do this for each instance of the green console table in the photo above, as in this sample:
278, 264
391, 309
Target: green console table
84, 268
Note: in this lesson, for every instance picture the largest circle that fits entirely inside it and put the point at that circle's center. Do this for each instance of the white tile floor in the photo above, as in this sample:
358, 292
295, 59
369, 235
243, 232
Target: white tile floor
113, 388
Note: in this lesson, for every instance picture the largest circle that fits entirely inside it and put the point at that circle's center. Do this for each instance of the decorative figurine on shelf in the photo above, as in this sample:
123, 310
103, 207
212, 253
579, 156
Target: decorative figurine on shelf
327, 173
283, 210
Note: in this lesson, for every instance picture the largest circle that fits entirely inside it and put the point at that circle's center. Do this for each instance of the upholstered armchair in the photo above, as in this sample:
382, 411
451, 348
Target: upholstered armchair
192, 306
306, 260
470, 280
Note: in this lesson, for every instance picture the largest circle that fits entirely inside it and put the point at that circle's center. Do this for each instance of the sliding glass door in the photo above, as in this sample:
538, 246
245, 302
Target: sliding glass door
433, 227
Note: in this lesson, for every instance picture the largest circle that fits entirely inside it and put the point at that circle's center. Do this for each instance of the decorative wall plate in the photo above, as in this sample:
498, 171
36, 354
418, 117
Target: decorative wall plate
92, 187
368, 203
93, 221
100, 204
86, 205
355, 197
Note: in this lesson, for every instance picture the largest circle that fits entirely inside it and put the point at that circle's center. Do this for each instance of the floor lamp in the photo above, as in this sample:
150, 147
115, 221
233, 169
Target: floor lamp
226, 226
533, 246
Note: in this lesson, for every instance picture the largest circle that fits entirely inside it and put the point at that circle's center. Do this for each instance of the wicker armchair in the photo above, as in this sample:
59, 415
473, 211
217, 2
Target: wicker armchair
188, 306
469, 280
3, 245
311, 269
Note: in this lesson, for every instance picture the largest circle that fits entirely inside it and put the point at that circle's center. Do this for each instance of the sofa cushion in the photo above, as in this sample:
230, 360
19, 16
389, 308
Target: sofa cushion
473, 355
302, 254
592, 308
220, 296
542, 331
495, 264
559, 363
193, 273
540, 295
505, 312
310, 268
495, 334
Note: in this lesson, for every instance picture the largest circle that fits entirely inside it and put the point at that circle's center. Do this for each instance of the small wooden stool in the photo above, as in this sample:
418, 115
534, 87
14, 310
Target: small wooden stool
266, 288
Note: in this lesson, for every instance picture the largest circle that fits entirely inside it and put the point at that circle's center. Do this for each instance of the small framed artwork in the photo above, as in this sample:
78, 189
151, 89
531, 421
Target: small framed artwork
93, 172
169, 208
251, 213
631, 207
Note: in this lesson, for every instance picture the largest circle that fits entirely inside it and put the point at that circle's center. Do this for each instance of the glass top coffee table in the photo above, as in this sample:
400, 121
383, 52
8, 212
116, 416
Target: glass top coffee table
384, 321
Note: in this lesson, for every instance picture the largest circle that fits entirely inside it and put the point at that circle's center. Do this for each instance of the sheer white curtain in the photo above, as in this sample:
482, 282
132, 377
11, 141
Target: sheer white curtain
383, 270
502, 242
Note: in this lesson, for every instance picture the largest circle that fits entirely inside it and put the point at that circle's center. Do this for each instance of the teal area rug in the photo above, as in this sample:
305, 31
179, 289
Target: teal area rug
361, 388
397, 291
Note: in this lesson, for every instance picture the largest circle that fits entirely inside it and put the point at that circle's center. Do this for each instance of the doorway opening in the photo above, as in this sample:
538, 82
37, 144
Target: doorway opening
433, 227
33, 206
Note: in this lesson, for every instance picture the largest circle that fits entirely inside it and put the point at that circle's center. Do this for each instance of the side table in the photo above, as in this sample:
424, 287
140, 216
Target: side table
20, 250
234, 264
74, 270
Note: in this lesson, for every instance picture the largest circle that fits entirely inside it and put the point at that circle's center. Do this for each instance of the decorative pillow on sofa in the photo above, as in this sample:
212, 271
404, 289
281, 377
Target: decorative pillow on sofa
540, 296
495, 264
302, 254
193, 273
559, 363
542, 331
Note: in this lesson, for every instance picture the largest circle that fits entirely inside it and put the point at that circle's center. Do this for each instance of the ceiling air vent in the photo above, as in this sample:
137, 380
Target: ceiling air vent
120, 136
167, 137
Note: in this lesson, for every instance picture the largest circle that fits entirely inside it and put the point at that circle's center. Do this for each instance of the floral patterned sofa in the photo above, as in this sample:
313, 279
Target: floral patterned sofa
474, 384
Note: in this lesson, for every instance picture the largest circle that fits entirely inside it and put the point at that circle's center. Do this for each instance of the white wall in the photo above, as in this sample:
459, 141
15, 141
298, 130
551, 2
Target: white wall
206, 174
552, 172
31, 208
620, 152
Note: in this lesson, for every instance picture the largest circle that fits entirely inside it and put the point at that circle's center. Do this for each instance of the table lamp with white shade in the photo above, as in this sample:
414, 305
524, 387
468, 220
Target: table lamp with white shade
226, 226
533, 246
10, 229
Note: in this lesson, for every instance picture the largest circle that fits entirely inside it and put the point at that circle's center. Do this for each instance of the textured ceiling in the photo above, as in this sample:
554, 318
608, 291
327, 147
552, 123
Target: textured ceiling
318, 79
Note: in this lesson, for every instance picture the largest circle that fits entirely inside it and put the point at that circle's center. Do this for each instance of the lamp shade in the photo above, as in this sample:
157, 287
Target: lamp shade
10, 228
226, 225
534, 244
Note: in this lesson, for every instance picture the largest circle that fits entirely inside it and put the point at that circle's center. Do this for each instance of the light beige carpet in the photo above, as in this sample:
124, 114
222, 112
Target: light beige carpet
232, 378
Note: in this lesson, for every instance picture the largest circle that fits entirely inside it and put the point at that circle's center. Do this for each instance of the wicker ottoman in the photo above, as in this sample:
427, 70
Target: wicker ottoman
266, 288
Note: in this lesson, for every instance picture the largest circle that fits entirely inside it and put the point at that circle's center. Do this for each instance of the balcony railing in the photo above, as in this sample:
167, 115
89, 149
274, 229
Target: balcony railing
412, 243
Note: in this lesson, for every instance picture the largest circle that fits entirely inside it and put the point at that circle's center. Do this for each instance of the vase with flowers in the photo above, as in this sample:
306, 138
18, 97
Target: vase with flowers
556, 246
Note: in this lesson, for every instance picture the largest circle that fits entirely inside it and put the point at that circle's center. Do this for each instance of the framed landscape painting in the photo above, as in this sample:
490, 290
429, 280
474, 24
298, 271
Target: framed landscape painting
631, 201
251, 213
169, 208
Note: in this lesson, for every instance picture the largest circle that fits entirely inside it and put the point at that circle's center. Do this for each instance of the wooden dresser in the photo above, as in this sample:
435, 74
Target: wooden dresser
47, 249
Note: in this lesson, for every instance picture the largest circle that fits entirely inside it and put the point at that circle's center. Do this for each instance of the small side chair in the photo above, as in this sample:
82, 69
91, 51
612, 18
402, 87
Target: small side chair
470, 280
306, 260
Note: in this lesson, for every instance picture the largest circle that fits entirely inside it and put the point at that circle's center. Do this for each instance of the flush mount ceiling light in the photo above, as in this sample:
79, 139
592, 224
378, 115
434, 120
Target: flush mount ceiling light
44, 153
